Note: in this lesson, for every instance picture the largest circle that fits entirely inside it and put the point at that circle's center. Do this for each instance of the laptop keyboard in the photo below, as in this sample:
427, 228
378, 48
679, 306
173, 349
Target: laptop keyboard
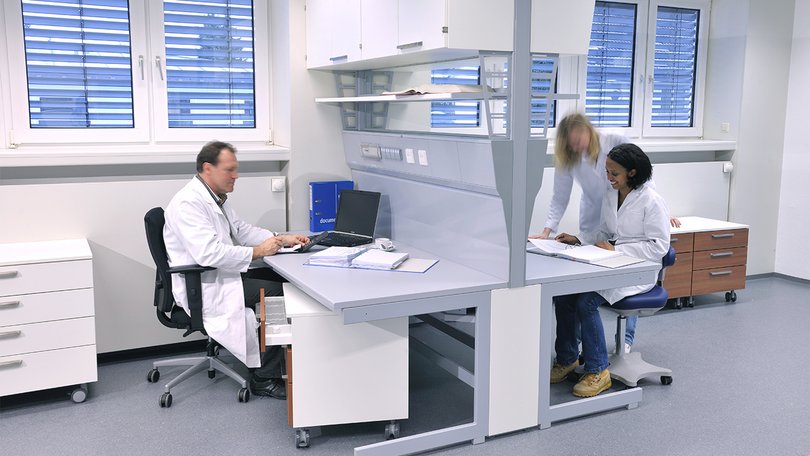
344, 240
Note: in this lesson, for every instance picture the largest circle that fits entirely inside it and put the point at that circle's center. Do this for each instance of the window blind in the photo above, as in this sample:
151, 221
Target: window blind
676, 31
209, 63
541, 85
608, 95
447, 114
77, 56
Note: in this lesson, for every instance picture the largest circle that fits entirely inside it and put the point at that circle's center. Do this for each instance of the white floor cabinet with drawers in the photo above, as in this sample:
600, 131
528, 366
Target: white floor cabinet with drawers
47, 317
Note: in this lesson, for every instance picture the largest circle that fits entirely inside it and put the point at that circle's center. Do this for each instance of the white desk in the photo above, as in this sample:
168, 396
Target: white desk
365, 295
561, 277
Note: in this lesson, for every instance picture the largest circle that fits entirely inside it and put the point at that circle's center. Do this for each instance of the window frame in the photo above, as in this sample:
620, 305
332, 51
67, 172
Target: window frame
150, 110
696, 130
261, 83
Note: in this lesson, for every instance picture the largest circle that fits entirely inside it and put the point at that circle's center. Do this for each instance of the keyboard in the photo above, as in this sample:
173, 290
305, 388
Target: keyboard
344, 240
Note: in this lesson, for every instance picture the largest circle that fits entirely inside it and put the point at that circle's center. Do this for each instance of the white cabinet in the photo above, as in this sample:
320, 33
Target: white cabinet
47, 317
333, 32
379, 33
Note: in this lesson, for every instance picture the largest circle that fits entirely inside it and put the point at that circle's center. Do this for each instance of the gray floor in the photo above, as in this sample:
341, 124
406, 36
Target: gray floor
737, 390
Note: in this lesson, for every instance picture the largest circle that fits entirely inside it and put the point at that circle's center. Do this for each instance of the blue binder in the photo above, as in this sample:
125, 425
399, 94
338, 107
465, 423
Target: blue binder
323, 199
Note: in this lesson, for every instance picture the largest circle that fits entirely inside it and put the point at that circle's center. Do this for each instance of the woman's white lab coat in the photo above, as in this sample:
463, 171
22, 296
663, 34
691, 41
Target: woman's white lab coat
197, 231
591, 178
640, 229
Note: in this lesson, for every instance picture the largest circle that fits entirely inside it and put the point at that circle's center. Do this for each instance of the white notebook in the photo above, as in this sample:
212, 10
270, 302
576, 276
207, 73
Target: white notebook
584, 253
378, 259
336, 256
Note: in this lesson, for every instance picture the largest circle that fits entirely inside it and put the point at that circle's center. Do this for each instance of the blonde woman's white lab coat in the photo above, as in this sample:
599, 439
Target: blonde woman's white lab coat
197, 231
591, 178
640, 229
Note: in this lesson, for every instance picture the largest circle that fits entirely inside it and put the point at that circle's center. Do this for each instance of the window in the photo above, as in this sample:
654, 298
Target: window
453, 114
541, 109
645, 66
138, 70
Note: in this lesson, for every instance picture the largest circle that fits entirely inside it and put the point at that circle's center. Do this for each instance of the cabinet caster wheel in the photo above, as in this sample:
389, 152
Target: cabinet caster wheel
166, 400
690, 302
153, 376
392, 430
678, 303
244, 395
666, 379
731, 296
212, 373
78, 395
302, 438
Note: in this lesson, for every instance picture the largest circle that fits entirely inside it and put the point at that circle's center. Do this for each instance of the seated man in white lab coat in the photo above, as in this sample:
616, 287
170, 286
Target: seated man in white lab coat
202, 228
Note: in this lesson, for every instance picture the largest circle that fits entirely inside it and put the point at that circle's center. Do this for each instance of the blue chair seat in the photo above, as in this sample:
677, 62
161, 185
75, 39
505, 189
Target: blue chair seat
653, 299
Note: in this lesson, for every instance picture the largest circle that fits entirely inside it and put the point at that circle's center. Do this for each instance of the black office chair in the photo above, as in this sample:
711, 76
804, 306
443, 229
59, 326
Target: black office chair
173, 316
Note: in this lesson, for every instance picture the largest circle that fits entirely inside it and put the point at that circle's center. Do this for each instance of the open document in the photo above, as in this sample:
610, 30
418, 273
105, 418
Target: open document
364, 257
590, 254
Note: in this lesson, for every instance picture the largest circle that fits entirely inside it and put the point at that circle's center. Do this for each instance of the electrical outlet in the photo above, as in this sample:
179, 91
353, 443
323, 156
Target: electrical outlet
725, 127
277, 184
409, 156
423, 157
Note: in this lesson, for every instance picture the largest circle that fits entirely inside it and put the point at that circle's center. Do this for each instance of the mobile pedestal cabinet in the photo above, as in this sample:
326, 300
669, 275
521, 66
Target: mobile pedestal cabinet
47, 317
711, 256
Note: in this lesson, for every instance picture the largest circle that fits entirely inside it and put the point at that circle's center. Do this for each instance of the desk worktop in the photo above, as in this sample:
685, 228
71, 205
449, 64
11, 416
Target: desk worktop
543, 269
340, 288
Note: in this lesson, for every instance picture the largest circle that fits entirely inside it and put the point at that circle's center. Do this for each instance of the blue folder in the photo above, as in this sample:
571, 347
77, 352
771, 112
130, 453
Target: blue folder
323, 203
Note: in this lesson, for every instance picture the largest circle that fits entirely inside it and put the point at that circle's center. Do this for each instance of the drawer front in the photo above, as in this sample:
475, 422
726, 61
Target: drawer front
713, 240
40, 307
712, 259
288, 360
37, 337
721, 279
682, 242
678, 277
48, 369
43, 277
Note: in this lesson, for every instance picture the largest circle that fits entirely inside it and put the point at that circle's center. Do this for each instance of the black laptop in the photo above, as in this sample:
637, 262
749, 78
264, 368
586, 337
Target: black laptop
355, 220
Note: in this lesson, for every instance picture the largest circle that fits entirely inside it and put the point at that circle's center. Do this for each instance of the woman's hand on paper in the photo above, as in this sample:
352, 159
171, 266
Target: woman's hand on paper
675, 222
544, 235
605, 245
566, 238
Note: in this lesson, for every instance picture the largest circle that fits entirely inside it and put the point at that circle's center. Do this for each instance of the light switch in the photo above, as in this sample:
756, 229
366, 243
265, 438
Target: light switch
423, 157
409, 156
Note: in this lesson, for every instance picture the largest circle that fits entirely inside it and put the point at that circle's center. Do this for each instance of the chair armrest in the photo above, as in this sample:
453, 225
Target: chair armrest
186, 268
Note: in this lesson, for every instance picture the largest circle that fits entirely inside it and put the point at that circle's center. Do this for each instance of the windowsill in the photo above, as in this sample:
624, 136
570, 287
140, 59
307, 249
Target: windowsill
669, 145
118, 154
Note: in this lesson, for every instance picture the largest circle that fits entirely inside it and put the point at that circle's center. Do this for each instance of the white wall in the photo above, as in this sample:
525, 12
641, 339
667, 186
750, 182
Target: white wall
758, 160
792, 249
106, 205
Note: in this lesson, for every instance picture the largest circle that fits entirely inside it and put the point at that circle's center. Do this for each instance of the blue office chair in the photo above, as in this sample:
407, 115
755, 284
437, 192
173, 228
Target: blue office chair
629, 368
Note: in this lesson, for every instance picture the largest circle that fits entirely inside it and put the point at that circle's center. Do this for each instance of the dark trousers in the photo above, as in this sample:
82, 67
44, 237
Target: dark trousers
252, 281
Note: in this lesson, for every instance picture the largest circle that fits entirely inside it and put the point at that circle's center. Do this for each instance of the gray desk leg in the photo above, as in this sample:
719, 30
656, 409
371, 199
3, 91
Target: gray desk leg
546, 348
474, 432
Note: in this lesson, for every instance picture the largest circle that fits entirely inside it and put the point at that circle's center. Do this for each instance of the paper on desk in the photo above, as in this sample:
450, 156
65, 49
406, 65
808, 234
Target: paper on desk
416, 265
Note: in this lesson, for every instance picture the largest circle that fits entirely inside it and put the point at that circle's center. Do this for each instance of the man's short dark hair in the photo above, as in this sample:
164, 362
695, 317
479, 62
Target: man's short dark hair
210, 153
630, 156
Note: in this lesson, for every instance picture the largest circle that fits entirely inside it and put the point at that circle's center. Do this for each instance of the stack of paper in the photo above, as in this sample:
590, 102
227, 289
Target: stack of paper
336, 256
585, 253
378, 259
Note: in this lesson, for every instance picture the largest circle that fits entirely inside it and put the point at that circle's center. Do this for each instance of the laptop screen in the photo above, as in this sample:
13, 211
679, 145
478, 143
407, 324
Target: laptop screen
357, 212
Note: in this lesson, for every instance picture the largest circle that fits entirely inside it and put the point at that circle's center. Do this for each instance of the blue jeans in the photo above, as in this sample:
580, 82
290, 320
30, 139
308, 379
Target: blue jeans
629, 330
584, 309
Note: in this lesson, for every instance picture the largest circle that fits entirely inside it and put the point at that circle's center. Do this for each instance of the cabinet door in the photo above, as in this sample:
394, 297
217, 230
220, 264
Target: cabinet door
420, 25
345, 35
319, 44
378, 23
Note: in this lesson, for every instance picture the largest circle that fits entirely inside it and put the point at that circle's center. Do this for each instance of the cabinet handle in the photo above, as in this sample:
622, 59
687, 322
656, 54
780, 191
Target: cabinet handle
721, 254
339, 57
14, 363
159, 65
673, 240
140, 66
719, 273
8, 274
415, 44
10, 334
9, 305
722, 235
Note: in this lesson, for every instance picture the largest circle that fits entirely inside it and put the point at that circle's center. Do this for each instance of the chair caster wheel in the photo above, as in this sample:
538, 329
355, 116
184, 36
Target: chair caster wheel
392, 430
302, 438
79, 395
212, 373
244, 395
166, 400
666, 379
153, 376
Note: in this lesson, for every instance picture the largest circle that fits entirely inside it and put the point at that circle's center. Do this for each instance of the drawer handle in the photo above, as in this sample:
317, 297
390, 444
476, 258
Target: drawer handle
8, 274
415, 44
673, 240
9, 305
10, 334
722, 235
721, 254
339, 57
719, 273
14, 363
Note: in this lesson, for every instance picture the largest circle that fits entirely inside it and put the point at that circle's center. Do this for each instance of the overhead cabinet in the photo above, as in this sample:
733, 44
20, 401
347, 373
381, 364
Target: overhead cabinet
366, 34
